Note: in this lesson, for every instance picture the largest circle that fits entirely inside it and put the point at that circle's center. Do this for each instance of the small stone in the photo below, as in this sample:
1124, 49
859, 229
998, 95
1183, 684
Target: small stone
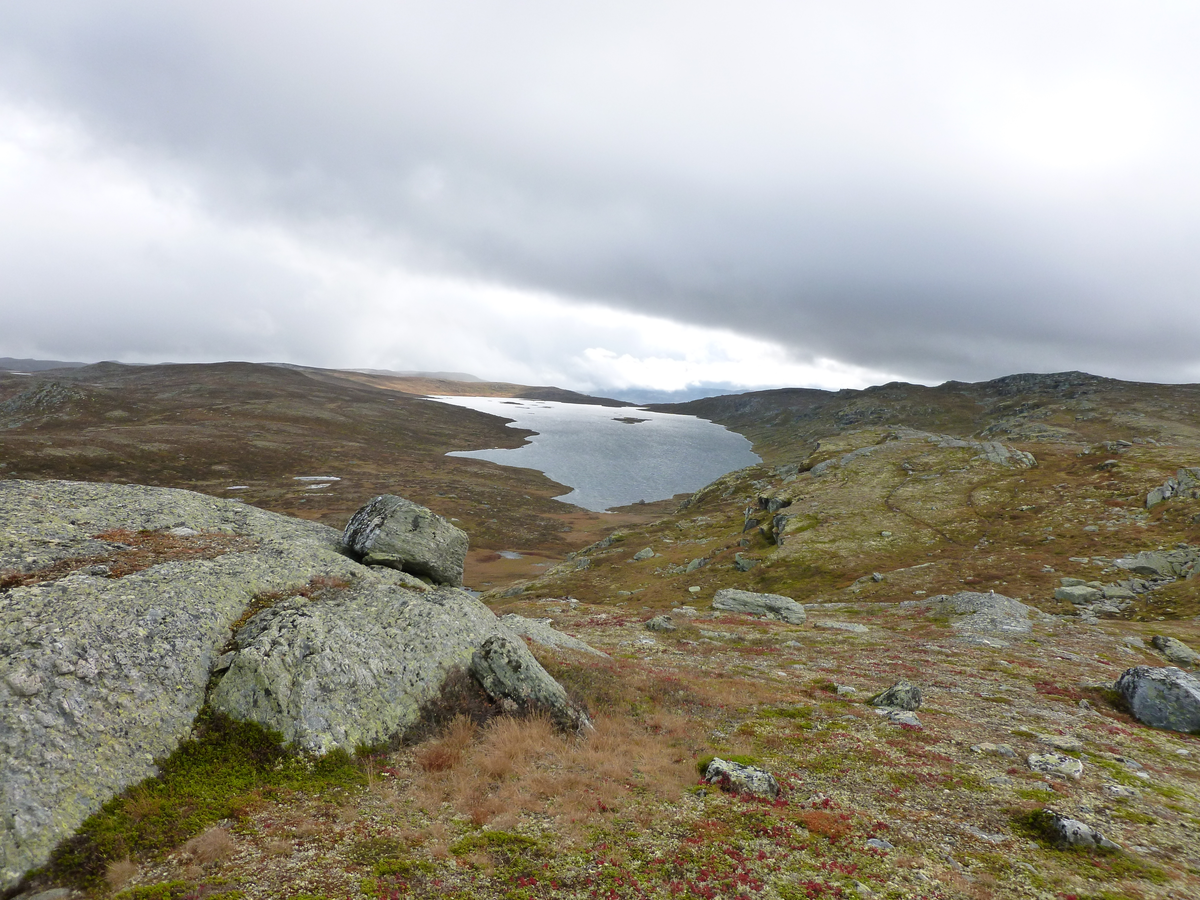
660, 623
1078, 594
1056, 764
880, 844
744, 563
1174, 650
900, 716
901, 695
844, 690
646, 553
694, 589
1119, 790
741, 779
1073, 834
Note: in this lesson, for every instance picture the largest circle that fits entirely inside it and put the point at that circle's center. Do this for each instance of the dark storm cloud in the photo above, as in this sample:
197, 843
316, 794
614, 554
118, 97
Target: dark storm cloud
930, 190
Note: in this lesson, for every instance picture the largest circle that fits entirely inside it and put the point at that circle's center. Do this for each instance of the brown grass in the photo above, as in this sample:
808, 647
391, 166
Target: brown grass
212, 846
119, 872
515, 767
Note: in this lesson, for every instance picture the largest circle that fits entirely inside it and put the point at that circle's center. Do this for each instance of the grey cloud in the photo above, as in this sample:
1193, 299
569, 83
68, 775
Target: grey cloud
804, 182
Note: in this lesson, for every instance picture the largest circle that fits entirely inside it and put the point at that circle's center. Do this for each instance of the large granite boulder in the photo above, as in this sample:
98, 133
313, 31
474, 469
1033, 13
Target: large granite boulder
391, 531
1162, 697
1185, 483
356, 669
770, 606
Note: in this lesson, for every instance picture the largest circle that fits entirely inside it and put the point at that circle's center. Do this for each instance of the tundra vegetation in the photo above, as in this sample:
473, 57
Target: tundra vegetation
868, 506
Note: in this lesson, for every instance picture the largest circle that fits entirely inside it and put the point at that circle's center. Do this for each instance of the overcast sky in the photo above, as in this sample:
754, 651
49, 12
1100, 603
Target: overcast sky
606, 196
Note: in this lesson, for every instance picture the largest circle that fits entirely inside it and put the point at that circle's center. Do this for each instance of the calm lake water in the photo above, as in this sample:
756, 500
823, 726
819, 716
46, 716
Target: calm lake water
609, 462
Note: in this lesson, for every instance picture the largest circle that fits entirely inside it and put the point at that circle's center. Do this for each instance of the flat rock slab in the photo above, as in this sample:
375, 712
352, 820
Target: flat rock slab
1162, 697
770, 606
989, 613
852, 627
540, 632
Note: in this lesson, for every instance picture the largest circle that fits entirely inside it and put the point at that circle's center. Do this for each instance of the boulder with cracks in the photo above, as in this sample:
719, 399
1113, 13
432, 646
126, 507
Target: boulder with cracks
118, 613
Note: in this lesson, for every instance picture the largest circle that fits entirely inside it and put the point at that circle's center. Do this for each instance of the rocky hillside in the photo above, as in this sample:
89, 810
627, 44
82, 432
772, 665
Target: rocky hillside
940, 644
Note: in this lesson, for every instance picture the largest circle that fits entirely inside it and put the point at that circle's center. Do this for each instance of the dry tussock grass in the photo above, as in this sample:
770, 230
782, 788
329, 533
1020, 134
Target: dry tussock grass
512, 768
212, 846
119, 872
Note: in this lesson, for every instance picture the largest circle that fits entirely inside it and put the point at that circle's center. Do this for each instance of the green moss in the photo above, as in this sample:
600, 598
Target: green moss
170, 890
1037, 795
371, 850
504, 841
1132, 815
405, 868
787, 712
1168, 790
703, 762
1118, 772
173, 890
224, 769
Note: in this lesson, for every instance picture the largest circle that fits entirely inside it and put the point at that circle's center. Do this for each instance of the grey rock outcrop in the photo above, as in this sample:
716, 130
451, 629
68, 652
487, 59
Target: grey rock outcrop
901, 695
770, 606
100, 676
1185, 483
540, 632
1182, 562
354, 669
1175, 650
741, 779
391, 531
1078, 594
989, 613
1162, 697
644, 553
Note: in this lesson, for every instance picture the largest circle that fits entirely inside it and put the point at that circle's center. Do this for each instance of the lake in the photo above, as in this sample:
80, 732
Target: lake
612, 456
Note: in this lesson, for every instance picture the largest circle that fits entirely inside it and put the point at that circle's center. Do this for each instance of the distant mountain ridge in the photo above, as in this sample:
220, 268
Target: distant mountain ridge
10, 364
